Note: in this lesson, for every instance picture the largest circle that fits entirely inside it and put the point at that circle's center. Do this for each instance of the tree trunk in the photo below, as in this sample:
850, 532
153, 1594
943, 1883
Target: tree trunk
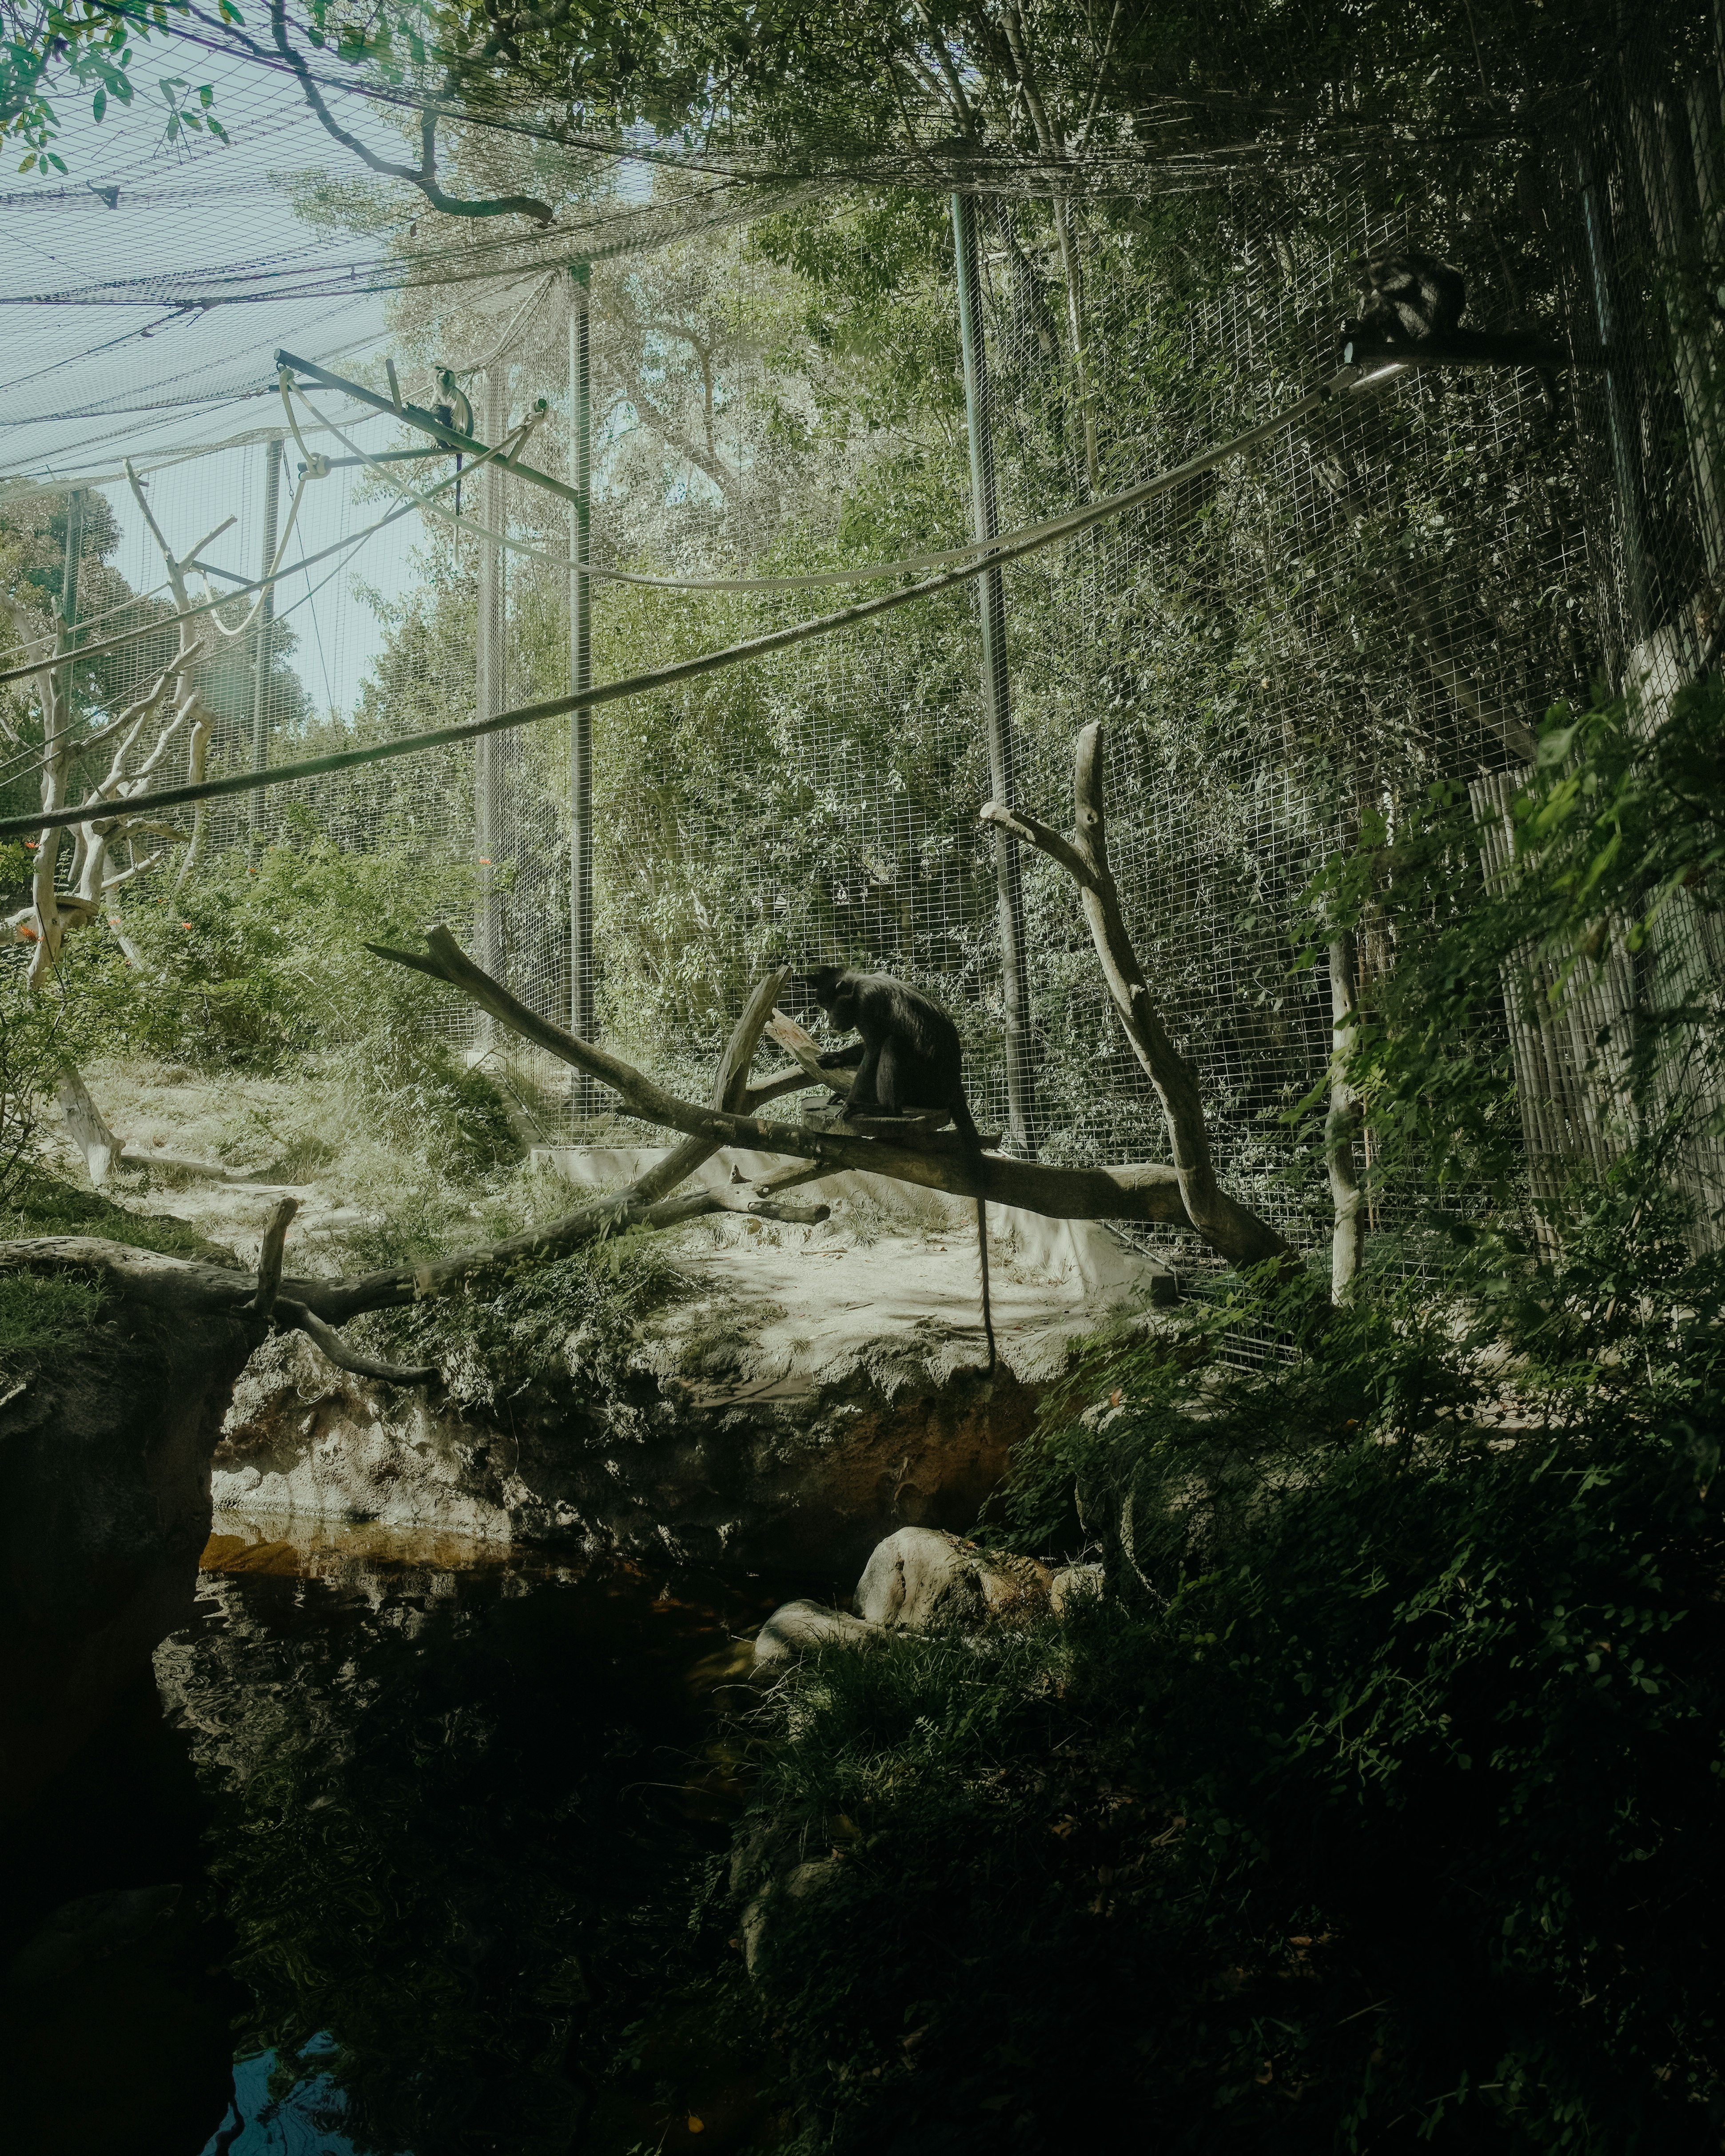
1340, 1125
1230, 1228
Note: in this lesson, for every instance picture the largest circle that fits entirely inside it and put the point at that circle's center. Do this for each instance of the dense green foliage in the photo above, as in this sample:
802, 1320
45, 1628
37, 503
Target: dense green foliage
258, 966
1609, 906
1379, 1803
559, 1334
44, 43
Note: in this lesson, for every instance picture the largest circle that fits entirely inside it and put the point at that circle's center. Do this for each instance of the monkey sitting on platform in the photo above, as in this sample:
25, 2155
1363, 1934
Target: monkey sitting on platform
1413, 299
909, 1057
1415, 306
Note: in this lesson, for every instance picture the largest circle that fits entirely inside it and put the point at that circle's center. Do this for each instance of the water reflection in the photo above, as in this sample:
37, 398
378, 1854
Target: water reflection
451, 1818
307, 2121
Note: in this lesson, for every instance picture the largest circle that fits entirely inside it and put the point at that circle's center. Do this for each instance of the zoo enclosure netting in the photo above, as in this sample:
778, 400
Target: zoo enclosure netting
1387, 594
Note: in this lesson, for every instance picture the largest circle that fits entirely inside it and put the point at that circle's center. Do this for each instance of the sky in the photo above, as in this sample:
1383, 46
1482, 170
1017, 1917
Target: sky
98, 364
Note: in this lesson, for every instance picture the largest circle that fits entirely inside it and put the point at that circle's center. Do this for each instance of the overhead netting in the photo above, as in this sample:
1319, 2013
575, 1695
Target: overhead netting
1389, 591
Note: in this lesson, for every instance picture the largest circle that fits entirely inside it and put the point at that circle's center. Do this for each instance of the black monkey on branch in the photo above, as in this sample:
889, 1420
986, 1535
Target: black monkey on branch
1413, 312
909, 1056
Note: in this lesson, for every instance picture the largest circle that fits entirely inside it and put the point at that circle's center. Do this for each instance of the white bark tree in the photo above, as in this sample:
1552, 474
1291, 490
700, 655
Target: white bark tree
170, 716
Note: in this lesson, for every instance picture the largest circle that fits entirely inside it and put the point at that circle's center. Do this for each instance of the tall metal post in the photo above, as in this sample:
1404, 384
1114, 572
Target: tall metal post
68, 586
997, 704
489, 687
263, 657
1620, 415
581, 1010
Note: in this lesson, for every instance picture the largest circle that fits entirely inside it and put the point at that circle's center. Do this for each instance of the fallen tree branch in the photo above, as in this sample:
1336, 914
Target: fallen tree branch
1138, 1191
1144, 1191
331, 1345
1230, 1228
132, 1155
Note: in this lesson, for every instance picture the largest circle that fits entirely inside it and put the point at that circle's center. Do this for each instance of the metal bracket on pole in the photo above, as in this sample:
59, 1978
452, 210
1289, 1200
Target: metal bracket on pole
428, 422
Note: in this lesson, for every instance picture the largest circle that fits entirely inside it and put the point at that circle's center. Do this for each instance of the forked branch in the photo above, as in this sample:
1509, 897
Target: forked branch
1137, 1191
423, 176
1233, 1230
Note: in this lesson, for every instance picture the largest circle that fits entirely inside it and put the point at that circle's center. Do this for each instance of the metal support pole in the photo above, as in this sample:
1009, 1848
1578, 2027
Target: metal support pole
581, 1011
489, 684
997, 706
69, 586
1619, 416
263, 657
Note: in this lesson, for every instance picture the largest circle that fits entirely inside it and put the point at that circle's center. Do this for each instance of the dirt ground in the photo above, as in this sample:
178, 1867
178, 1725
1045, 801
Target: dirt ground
891, 1268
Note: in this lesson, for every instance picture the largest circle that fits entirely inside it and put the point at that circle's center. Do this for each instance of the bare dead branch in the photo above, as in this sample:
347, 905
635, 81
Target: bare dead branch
788, 1178
1232, 1229
180, 1164
270, 1256
424, 177
775, 1089
353, 1359
1139, 1190
1046, 841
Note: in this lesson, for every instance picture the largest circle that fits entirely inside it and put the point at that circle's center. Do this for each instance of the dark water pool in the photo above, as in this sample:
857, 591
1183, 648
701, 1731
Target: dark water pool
402, 1863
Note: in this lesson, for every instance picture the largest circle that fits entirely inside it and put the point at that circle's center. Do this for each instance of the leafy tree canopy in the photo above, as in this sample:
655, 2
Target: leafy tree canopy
93, 49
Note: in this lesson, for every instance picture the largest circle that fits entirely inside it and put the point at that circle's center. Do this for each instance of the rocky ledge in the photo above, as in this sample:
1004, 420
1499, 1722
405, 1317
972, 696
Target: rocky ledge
819, 1389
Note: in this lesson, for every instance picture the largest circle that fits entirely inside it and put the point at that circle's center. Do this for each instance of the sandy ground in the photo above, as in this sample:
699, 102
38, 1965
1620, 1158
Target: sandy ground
243, 1123
892, 1268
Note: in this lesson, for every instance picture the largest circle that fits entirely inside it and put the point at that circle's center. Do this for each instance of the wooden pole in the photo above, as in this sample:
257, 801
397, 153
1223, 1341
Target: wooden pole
488, 684
581, 1013
996, 706
262, 654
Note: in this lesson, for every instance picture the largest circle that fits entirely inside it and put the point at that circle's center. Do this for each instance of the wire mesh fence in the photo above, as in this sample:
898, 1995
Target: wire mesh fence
1388, 591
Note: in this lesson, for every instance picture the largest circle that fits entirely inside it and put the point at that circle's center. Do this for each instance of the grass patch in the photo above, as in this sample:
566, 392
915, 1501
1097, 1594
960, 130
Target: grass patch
537, 1334
45, 1206
39, 1311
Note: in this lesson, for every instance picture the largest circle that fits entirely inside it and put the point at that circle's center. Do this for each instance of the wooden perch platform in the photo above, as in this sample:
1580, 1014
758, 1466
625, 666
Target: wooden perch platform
924, 1127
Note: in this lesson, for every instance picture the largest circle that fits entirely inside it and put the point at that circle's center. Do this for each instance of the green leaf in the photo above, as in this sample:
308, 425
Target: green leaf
99, 104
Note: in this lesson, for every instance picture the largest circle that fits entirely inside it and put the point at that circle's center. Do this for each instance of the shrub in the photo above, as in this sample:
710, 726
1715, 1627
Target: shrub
1382, 1803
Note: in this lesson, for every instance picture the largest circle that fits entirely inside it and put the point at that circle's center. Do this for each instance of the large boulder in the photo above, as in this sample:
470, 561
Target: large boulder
796, 1626
921, 1576
1073, 1583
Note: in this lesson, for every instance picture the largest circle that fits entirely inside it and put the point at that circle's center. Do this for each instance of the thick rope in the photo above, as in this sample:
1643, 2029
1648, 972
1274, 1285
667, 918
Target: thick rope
735, 655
